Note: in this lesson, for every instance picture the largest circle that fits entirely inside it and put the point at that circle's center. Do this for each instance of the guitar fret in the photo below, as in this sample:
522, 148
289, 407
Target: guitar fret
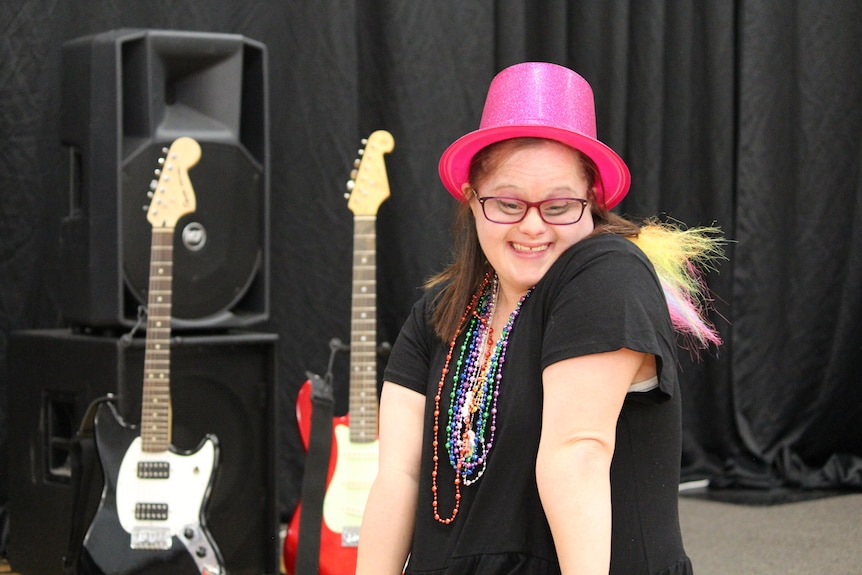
163, 215
162, 296
363, 333
363, 338
155, 405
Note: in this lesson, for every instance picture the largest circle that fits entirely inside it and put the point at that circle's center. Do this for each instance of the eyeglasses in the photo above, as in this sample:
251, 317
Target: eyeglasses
554, 211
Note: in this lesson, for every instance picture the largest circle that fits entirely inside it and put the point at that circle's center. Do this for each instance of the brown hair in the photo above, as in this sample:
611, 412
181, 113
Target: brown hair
463, 276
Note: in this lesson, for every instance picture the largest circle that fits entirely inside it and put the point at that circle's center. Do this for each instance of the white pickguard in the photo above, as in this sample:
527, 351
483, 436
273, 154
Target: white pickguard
183, 492
355, 470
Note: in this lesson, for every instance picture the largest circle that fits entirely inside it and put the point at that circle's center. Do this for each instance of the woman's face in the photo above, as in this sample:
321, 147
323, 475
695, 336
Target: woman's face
522, 252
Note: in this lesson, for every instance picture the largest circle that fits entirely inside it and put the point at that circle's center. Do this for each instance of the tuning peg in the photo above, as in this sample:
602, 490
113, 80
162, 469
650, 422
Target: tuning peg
360, 152
364, 141
353, 174
356, 163
350, 185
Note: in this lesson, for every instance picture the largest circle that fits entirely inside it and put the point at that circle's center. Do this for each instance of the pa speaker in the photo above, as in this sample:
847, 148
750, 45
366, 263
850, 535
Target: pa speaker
222, 384
126, 95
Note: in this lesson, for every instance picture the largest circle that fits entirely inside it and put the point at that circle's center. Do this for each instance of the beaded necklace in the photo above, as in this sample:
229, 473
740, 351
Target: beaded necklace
472, 413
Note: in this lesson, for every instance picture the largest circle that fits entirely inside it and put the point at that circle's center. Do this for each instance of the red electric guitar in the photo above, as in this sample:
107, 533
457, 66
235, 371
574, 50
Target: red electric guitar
353, 461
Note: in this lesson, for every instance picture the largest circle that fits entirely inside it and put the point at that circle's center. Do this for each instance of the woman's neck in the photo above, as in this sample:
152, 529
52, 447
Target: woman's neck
506, 303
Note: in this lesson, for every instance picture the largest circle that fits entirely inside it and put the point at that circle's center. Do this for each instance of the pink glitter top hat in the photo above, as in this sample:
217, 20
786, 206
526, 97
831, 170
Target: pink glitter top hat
541, 100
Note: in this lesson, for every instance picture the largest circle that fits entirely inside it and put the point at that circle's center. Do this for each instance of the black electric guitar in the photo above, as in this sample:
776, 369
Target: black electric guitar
353, 461
150, 519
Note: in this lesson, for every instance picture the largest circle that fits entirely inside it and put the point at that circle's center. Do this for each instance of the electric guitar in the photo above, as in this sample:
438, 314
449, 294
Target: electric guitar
353, 461
150, 519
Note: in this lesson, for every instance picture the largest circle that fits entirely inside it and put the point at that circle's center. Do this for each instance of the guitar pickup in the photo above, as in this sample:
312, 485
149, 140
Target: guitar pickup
158, 538
154, 470
151, 511
350, 537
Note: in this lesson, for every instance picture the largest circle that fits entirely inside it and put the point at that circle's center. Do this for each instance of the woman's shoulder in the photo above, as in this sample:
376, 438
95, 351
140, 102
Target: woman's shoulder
605, 267
604, 243
605, 251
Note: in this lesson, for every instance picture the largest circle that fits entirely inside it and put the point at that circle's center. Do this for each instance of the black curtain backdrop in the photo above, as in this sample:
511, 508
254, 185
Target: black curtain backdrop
743, 114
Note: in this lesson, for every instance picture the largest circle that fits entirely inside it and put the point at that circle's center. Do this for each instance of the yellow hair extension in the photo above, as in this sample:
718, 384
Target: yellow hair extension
679, 256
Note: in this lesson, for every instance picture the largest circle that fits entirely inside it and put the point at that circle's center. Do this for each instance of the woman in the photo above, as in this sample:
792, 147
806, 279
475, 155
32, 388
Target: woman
530, 415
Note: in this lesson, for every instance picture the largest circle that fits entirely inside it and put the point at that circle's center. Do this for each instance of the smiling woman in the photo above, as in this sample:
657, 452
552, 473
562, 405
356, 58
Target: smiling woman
520, 249
539, 367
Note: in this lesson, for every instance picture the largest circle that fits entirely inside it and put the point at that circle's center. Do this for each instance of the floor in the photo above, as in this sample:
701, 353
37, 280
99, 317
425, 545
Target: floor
809, 536
745, 536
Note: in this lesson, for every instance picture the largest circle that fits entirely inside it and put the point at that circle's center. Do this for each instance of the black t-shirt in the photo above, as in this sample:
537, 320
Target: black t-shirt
600, 295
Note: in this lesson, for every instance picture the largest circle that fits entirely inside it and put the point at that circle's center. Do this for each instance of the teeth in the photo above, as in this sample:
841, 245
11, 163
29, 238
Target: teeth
523, 248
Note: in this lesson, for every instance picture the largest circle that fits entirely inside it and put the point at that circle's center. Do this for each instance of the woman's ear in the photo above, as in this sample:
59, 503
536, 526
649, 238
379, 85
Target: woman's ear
466, 190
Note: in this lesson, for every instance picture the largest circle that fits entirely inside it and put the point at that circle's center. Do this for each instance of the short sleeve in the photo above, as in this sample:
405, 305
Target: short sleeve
604, 296
409, 360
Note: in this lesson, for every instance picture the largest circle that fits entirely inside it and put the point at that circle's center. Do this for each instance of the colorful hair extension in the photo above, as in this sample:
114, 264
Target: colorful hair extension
679, 255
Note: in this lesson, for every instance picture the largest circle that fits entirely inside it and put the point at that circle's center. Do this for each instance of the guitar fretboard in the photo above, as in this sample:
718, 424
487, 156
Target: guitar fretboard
156, 400
363, 333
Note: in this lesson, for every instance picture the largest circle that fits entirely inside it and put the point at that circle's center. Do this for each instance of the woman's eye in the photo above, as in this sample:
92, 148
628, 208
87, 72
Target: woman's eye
508, 206
557, 208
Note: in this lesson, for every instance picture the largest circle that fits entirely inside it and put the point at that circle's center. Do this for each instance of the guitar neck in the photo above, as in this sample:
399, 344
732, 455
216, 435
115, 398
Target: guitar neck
156, 400
363, 333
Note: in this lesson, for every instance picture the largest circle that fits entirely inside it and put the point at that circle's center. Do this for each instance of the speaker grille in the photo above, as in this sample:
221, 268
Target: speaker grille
217, 249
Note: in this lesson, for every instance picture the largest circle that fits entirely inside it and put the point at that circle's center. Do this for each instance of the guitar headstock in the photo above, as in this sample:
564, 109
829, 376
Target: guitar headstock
172, 195
369, 185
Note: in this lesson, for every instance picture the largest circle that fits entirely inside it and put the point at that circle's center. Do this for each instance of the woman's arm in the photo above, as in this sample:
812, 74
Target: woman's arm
583, 397
387, 525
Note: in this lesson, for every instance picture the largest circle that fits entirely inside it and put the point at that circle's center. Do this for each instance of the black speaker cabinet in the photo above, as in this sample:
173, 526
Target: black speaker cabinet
126, 95
221, 384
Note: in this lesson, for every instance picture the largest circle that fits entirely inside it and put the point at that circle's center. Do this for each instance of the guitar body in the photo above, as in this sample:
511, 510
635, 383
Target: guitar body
166, 541
352, 468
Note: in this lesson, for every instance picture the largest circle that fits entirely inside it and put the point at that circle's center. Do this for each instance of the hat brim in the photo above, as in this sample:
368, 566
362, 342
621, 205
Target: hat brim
454, 164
